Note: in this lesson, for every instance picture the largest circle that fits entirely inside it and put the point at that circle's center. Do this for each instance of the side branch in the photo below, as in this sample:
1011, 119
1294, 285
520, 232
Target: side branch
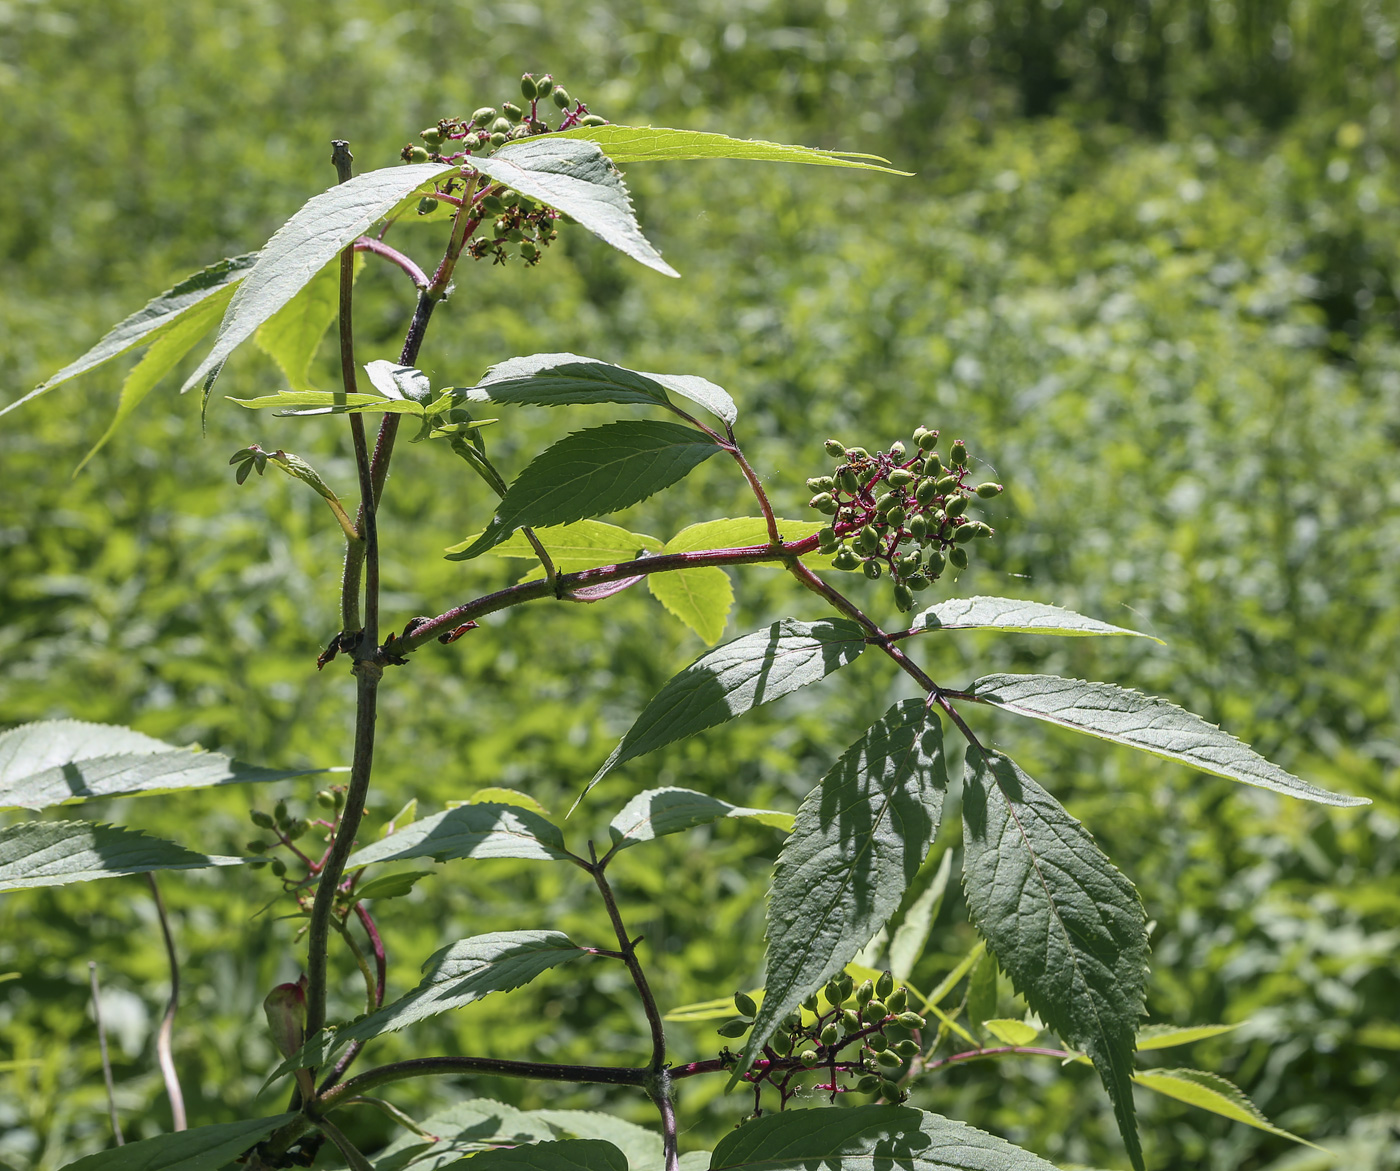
398, 1071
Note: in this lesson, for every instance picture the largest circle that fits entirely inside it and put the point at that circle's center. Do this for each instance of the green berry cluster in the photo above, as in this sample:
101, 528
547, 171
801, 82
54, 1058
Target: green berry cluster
899, 514
514, 220
874, 1017
287, 829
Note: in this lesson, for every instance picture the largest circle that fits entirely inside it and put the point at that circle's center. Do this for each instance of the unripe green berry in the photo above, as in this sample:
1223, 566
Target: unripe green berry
892, 1091
927, 440
497, 139
936, 562
919, 432
873, 569
432, 135
855, 454
808, 1057
260, 819
528, 88
869, 1084
964, 533
833, 992
945, 484
560, 97
735, 1028
484, 115
427, 205
907, 1049
911, 1020
886, 501
956, 506
744, 1004
895, 516
793, 1021
925, 492
279, 813
826, 539
876, 1043
811, 1004
983, 528
884, 985
900, 477
279, 867
903, 598
512, 111
846, 560
544, 86
918, 526
820, 484
874, 1011
957, 454
850, 1021
528, 250
830, 1035
835, 448
896, 1000
297, 828
848, 481
868, 540
592, 120
889, 1061
256, 847
515, 235
824, 502
989, 489
933, 463
958, 557
491, 205
865, 993
417, 154
897, 450
257, 863
847, 984
917, 582
502, 126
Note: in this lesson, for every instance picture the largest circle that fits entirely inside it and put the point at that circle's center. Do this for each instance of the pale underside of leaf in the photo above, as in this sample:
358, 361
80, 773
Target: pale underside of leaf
657, 812
699, 597
56, 762
860, 837
292, 335
1065, 924
204, 1148
1014, 617
146, 324
643, 144
576, 177
55, 853
1145, 722
867, 1138
730, 680
487, 830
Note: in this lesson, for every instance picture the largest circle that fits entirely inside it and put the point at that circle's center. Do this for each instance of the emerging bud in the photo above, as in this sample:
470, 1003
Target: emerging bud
528, 88
484, 115
544, 86
561, 97
957, 454
808, 1057
285, 1007
865, 993
835, 448
830, 1035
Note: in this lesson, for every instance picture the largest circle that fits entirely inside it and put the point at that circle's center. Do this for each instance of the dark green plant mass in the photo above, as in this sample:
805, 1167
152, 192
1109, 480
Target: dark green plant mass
838, 1022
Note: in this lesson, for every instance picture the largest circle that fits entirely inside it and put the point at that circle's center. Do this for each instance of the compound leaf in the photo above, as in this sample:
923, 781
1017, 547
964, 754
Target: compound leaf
657, 812
1066, 926
577, 178
867, 1138
204, 1148
55, 762
292, 335
859, 839
144, 326
730, 680
1014, 616
645, 144
486, 830
1146, 722
55, 853
302, 247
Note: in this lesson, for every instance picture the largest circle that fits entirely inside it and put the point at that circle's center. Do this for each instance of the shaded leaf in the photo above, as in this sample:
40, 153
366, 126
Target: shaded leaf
1068, 928
143, 326
55, 853
329, 402
1146, 722
470, 831
1014, 616
594, 472
462, 1129
859, 839
730, 680
699, 597
454, 977
292, 335
302, 247
571, 1154
204, 1148
1011, 1032
554, 380
54, 762
390, 886
909, 939
867, 1138
642, 1147
1169, 1036
576, 177
658, 812
1211, 1092
644, 144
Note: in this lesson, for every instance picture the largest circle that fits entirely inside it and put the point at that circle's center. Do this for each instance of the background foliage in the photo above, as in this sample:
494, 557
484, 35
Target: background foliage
1147, 268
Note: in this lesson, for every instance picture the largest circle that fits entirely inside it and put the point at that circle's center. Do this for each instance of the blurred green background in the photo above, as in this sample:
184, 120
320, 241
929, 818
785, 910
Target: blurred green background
1147, 268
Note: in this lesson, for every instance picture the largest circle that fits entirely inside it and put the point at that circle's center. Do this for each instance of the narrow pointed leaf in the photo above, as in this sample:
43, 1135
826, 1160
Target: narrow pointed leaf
55, 853
867, 1138
645, 144
1146, 722
584, 544
1169, 1036
1067, 927
737, 533
736, 677
329, 402
171, 344
667, 811
1013, 616
859, 839
454, 977
56, 762
302, 247
575, 177
204, 1148
1011, 1032
594, 472
292, 335
570, 1154
158, 314
909, 939
699, 597
488, 830
1209, 1091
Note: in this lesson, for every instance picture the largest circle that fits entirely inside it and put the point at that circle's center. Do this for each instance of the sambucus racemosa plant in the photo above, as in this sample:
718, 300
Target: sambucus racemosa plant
1056, 915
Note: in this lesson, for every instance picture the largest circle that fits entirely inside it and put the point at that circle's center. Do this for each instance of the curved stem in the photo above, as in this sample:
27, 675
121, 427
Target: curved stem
398, 1071
759, 494
394, 256
102, 1049
165, 1055
353, 1158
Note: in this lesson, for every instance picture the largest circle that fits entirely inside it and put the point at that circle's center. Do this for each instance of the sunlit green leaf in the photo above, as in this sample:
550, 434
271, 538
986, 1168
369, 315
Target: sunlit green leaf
1211, 1092
667, 811
644, 144
1013, 616
469, 831
203, 1148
